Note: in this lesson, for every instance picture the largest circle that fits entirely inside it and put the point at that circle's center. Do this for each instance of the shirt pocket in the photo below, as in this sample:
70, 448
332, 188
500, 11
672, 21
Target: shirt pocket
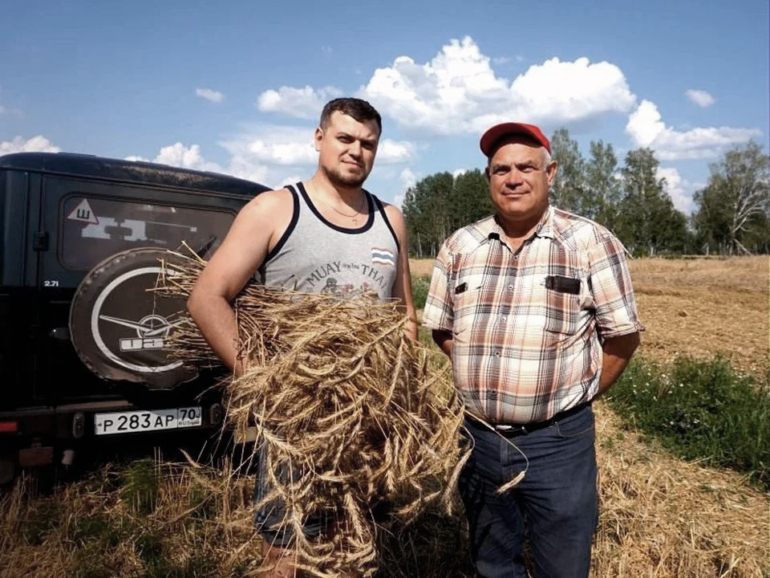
466, 302
563, 310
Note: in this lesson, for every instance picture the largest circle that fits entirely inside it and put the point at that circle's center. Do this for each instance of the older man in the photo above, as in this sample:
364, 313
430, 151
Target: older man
534, 306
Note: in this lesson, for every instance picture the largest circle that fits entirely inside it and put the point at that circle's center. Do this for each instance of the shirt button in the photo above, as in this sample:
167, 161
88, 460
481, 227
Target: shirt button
497, 353
503, 318
510, 287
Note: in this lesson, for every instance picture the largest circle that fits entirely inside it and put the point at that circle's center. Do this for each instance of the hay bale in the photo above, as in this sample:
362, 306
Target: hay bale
343, 400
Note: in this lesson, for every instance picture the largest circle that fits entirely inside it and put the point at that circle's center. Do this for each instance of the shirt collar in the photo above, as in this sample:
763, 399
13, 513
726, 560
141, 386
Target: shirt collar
544, 226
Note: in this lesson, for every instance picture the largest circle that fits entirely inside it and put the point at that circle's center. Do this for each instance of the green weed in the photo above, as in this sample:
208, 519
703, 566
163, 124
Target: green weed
703, 410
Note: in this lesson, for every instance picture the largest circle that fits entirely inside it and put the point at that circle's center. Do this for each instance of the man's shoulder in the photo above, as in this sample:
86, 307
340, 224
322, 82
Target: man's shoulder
580, 231
281, 195
270, 201
469, 237
391, 210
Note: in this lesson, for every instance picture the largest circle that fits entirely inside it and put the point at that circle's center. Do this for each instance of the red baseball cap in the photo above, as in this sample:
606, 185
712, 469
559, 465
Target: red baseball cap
498, 131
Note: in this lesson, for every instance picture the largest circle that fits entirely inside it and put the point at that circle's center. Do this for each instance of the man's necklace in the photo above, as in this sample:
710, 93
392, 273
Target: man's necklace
354, 216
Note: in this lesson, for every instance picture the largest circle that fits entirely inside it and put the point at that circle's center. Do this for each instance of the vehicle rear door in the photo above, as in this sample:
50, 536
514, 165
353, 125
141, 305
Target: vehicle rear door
88, 221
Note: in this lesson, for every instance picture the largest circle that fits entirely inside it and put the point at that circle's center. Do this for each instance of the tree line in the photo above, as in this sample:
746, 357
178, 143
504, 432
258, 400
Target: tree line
731, 215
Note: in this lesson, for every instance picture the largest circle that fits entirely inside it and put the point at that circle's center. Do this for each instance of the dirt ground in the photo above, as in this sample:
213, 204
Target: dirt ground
698, 307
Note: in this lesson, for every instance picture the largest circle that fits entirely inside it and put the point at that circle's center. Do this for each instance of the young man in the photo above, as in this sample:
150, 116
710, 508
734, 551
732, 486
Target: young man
535, 308
326, 234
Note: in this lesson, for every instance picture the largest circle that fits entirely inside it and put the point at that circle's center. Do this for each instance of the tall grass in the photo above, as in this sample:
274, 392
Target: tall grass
704, 410
420, 286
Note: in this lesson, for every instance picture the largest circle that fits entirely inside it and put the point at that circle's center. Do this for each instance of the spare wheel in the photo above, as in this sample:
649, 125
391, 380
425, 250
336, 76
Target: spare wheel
120, 327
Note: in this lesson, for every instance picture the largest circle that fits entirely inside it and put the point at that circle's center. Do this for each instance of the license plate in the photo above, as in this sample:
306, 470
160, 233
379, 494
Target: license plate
121, 422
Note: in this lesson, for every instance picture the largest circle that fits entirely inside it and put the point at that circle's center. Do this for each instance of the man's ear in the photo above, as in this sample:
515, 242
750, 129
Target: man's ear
486, 172
318, 138
550, 172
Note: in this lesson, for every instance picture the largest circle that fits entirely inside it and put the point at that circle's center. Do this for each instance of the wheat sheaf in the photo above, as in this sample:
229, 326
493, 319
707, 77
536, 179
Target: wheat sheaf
346, 405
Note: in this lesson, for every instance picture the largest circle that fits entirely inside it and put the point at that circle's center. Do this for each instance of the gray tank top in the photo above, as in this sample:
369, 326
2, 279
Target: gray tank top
314, 255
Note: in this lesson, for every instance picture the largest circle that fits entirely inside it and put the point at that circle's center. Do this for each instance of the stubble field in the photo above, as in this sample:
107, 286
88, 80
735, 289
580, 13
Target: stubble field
660, 516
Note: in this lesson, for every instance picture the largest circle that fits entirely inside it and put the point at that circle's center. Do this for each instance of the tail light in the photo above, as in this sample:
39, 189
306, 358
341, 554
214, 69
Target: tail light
9, 426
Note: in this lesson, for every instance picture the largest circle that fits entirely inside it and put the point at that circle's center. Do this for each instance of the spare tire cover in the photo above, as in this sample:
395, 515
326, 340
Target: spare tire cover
119, 326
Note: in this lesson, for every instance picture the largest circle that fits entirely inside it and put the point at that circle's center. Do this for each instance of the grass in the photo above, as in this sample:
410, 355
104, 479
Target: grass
420, 286
700, 409
148, 518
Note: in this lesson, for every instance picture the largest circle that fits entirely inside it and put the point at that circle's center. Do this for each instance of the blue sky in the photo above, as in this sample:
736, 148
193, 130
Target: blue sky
237, 86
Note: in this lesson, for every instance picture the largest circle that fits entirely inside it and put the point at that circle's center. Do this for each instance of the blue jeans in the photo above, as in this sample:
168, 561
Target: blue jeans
555, 503
270, 519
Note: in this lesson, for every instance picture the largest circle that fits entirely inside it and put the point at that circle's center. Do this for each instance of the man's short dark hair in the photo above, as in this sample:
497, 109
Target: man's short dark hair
359, 109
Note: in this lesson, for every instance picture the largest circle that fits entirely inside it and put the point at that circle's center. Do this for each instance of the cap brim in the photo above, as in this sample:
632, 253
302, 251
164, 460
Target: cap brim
490, 138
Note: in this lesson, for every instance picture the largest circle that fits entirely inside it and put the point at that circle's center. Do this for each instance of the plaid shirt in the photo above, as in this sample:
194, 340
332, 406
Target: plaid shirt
526, 341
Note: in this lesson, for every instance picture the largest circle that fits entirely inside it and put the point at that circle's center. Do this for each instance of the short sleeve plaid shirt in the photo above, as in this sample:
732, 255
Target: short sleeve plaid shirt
526, 325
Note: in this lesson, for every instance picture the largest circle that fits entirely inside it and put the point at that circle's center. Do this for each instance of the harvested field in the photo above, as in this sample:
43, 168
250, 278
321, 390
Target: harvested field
663, 517
660, 516
705, 306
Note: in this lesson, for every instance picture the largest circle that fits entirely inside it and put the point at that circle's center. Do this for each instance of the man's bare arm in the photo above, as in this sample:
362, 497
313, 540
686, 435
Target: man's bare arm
444, 341
228, 271
402, 288
617, 354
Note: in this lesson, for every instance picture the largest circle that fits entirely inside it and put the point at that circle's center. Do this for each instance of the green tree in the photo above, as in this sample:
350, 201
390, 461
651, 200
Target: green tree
569, 190
601, 176
439, 204
648, 222
470, 199
732, 210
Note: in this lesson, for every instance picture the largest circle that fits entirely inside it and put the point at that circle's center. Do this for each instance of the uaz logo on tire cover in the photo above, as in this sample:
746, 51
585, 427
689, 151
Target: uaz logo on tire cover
120, 326
151, 330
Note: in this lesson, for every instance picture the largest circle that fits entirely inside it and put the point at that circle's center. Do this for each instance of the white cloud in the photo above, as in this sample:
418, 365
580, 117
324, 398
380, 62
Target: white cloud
304, 102
679, 189
647, 129
179, 155
501, 60
273, 145
36, 144
392, 152
700, 97
458, 172
208, 94
458, 92
408, 179
186, 157
270, 155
